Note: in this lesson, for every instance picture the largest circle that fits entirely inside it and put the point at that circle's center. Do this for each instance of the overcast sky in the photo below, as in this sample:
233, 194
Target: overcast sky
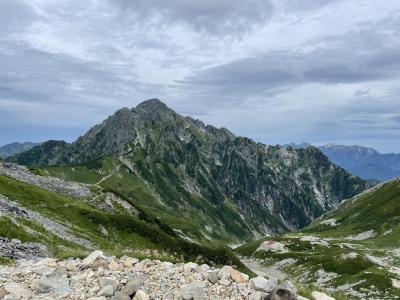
277, 71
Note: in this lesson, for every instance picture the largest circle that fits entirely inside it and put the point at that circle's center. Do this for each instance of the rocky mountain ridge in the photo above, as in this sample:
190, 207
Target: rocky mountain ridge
187, 168
365, 162
15, 148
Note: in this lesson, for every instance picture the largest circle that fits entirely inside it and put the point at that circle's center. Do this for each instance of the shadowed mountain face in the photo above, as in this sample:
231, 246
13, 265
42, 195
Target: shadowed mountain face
361, 161
203, 181
15, 148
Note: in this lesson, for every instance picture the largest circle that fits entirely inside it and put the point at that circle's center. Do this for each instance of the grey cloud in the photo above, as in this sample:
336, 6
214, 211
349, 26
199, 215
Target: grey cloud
299, 6
212, 16
344, 61
15, 15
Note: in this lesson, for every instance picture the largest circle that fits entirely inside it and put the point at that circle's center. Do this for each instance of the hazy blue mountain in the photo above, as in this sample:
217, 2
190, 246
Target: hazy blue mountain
15, 148
362, 161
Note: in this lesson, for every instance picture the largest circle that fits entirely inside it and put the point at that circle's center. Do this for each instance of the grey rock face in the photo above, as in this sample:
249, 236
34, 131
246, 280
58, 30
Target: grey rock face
17, 250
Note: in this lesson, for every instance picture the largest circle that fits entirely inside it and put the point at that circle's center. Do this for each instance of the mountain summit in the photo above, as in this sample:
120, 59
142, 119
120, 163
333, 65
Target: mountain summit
204, 182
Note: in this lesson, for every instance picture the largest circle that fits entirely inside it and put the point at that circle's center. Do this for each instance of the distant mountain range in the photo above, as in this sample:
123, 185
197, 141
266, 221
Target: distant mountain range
204, 182
15, 148
361, 161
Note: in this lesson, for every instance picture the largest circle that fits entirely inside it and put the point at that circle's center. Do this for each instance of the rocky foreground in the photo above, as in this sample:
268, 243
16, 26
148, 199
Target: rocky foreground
100, 277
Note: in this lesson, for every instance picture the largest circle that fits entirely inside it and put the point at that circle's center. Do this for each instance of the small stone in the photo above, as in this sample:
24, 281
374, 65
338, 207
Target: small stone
104, 281
262, 284
45, 285
71, 266
192, 291
106, 291
3, 293
114, 266
213, 276
134, 284
224, 282
281, 293
92, 257
59, 272
189, 267
257, 295
225, 272
128, 262
321, 296
141, 295
121, 296
17, 291
98, 263
239, 277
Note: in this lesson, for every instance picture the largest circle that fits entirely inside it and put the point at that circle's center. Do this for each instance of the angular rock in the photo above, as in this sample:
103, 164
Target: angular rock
58, 273
141, 295
128, 262
89, 260
99, 262
121, 296
213, 276
225, 272
189, 267
239, 277
114, 266
261, 284
17, 291
321, 296
192, 291
281, 293
134, 284
46, 285
104, 281
3, 293
106, 291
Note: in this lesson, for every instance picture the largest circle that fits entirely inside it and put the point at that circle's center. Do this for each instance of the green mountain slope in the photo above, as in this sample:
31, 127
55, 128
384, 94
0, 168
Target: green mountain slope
355, 247
73, 226
202, 181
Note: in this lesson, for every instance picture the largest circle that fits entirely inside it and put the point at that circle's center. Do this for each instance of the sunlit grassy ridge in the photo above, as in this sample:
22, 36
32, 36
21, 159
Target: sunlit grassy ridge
155, 190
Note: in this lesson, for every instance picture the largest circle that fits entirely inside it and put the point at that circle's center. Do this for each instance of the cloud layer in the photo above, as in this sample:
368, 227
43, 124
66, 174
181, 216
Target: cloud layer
277, 71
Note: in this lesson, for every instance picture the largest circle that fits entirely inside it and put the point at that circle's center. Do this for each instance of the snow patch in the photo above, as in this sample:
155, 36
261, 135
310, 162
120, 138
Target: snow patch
362, 236
330, 222
376, 260
273, 246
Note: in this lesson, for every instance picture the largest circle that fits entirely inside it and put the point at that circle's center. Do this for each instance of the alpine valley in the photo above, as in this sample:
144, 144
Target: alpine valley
204, 182
150, 183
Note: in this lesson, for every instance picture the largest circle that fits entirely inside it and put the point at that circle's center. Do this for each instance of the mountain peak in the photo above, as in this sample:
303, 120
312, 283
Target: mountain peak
152, 105
156, 109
